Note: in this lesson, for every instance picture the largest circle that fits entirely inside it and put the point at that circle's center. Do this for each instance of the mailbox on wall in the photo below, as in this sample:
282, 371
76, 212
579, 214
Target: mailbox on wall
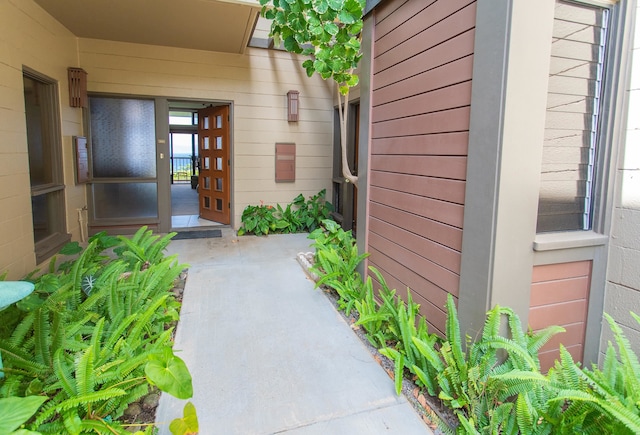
285, 162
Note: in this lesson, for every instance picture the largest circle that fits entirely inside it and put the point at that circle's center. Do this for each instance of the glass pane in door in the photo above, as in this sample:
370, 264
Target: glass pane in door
125, 200
123, 138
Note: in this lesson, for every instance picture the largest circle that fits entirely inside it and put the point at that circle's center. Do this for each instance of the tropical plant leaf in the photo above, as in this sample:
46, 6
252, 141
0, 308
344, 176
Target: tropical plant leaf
15, 411
188, 424
170, 374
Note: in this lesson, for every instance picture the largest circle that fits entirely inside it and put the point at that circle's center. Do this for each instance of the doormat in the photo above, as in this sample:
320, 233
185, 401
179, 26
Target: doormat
204, 234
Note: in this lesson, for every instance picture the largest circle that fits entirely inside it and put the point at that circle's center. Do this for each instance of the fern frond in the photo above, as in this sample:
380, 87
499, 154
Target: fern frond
468, 425
524, 415
101, 286
57, 334
628, 359
453, 333
76, 327
610, 366
21, 330
117, 407
85, 381
63, 372
154, 252
542, 337
102, 427
512, 348
77, 272
42, 335
15, 357
610, 405
81, 400
516, 382
492, 324
502, 420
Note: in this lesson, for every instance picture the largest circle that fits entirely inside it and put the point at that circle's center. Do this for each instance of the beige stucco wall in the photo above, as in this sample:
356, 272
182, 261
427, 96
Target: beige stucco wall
30, 37
257, 83
623, 277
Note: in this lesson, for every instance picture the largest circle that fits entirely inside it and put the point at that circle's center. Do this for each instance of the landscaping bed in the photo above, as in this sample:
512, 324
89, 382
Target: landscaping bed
91, 348
492, 384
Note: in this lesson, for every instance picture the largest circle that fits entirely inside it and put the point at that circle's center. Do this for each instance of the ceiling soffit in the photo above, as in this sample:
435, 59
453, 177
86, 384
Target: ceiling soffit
212, 25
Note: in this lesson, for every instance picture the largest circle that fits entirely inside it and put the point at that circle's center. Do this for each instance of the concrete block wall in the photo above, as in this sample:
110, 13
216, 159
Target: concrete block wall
623, 277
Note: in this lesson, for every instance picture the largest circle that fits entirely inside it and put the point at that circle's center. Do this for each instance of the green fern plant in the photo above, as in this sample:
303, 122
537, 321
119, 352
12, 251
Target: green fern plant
600, 400
95, 352
470, 383
143, 248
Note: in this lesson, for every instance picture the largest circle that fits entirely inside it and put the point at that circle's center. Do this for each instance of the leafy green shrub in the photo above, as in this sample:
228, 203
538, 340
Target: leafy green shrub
298, 216
493, 384
336, 260
96, 334
467, 379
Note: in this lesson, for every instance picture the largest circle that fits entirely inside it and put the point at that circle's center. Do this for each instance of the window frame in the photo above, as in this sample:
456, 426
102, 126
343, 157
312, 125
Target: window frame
55, 189
606, 151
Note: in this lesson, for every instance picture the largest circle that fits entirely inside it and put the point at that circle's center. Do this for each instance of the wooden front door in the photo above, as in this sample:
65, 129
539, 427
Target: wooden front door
214, 182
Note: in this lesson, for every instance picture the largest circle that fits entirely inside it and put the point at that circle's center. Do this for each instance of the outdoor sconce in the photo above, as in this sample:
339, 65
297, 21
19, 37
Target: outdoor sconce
293, 106
78, 87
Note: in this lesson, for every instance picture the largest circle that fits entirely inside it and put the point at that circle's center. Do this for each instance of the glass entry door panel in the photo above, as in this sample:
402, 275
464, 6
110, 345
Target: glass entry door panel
123, 150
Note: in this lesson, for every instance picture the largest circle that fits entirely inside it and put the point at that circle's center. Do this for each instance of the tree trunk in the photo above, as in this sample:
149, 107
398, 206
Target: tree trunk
343, 111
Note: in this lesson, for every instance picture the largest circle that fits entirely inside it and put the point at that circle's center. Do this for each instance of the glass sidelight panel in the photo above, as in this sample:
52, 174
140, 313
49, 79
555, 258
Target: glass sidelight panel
123, 138
125, 200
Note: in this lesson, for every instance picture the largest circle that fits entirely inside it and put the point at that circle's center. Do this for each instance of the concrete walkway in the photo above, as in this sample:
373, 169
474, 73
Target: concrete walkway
268, 353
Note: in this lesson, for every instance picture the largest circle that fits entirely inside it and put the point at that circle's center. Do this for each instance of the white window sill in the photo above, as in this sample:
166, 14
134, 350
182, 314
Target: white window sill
568, 240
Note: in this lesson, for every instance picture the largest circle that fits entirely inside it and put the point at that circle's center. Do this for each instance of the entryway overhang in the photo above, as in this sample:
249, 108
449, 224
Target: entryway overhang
212, 25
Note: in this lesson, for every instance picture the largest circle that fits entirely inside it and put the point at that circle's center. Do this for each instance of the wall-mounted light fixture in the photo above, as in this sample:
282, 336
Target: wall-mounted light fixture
293, 106
78, 87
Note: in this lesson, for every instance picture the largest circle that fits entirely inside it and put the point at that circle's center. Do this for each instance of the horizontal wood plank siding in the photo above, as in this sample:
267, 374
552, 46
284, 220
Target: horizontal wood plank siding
257, 83
560, 296
421, 96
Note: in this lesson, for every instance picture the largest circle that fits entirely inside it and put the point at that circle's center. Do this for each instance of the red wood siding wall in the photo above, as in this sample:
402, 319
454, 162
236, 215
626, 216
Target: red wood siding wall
559, 296
421, 96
